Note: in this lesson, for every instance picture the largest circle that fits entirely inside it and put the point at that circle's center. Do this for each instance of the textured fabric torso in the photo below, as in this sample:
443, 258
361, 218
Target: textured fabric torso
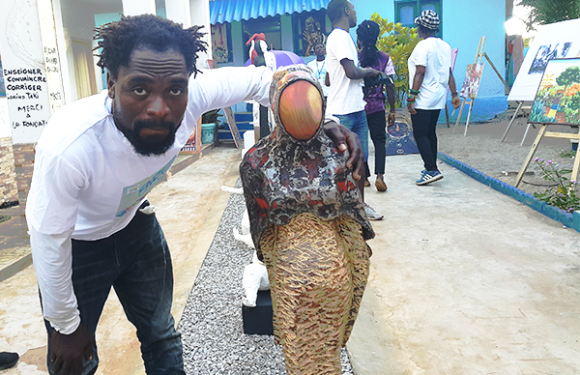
318, 271
375, 96
283, 178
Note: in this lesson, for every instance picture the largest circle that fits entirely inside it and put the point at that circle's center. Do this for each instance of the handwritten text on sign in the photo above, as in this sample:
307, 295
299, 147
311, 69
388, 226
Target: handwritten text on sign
24, 86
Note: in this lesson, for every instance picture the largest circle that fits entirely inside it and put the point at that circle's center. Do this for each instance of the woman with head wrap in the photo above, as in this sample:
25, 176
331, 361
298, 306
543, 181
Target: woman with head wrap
369, 56
430, 78
309, 226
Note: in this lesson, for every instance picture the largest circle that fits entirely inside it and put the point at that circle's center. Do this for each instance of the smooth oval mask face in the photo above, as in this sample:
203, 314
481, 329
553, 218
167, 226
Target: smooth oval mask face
301, 110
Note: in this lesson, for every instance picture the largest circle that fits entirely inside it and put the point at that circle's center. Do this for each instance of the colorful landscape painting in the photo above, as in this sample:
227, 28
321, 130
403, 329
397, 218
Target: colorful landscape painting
558, 97
472, 80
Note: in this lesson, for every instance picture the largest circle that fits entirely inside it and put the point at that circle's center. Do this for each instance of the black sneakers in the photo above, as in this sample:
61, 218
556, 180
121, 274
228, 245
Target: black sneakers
8, 360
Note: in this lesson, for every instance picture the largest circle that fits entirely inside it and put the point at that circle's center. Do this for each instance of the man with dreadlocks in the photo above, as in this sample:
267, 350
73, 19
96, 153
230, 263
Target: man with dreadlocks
91, 226
367, 35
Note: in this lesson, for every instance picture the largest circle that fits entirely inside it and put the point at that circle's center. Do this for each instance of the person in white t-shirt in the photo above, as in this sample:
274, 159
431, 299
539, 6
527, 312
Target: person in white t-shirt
345, 98
430, 76
91, 226
318, 66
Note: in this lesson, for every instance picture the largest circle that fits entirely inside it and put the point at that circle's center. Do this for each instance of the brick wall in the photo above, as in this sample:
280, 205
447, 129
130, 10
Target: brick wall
23, 166
8, 188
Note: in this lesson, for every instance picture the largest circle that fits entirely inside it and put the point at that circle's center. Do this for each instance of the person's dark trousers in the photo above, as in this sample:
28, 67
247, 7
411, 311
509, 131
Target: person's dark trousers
377, 127
136, 262
424, 126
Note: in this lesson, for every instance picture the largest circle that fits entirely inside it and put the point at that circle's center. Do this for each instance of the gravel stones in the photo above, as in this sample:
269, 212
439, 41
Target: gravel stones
211, 324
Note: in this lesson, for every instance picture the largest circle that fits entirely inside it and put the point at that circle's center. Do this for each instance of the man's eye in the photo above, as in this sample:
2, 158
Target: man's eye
176, 92
139, 92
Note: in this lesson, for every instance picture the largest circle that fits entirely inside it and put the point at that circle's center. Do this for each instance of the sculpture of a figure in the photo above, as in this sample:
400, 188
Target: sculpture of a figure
311, 35
308, 225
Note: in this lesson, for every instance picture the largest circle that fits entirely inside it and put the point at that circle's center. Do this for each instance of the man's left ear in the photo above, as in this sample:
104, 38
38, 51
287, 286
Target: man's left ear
111, 85
347, 11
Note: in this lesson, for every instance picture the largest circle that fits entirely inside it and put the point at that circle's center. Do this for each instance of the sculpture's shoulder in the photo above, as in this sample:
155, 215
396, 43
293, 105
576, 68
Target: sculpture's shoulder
257, 155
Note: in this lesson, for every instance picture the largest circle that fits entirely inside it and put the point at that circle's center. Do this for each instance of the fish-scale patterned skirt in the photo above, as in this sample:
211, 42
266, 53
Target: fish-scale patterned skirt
318, 272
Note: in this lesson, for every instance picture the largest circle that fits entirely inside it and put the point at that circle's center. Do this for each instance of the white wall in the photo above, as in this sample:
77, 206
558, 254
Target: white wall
23, 64
200, 16
78, 20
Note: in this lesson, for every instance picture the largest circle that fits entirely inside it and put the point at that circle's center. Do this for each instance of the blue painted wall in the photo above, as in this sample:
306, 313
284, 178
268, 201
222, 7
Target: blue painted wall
462, 31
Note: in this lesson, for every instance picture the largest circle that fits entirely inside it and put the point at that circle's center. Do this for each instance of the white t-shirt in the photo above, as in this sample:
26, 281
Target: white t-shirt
435, 55
345, 95
319, 69
88, 181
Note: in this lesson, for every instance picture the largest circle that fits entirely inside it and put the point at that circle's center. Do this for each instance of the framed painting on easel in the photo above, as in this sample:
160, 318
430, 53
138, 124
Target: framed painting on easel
557, 102
472, 82
553, 41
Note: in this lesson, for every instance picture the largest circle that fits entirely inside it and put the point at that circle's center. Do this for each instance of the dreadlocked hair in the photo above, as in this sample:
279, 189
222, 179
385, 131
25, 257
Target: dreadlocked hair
119, 39
368, 33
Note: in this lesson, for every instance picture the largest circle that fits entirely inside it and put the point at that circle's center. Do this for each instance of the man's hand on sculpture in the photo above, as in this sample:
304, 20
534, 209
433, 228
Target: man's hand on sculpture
343, 138
68, 351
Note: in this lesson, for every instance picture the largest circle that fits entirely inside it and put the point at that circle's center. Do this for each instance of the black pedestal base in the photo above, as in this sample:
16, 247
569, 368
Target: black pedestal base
258, 320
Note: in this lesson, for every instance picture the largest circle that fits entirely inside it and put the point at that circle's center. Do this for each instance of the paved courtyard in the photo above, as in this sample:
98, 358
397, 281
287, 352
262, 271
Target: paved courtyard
464, 280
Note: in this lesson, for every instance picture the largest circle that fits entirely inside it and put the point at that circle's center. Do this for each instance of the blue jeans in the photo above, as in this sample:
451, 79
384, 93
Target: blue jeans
136, 262
357, 123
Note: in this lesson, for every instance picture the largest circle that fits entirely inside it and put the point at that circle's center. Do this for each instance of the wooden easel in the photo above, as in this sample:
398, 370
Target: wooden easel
523, 109
453, 59
478, 58
544, 133
229, 114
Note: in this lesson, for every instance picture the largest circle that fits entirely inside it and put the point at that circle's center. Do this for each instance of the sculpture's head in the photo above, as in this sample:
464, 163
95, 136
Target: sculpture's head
297, 102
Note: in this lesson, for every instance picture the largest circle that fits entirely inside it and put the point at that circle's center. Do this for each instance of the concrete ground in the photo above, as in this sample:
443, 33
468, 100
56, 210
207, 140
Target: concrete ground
464, 280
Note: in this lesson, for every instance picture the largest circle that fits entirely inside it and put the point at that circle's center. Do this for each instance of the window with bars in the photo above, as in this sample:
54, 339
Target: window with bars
407, 10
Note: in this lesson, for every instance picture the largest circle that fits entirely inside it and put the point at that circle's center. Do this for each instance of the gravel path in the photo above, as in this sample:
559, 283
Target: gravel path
211, 325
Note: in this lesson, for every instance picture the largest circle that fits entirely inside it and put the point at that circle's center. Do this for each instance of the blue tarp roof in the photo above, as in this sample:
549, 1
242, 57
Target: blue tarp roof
235, 10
